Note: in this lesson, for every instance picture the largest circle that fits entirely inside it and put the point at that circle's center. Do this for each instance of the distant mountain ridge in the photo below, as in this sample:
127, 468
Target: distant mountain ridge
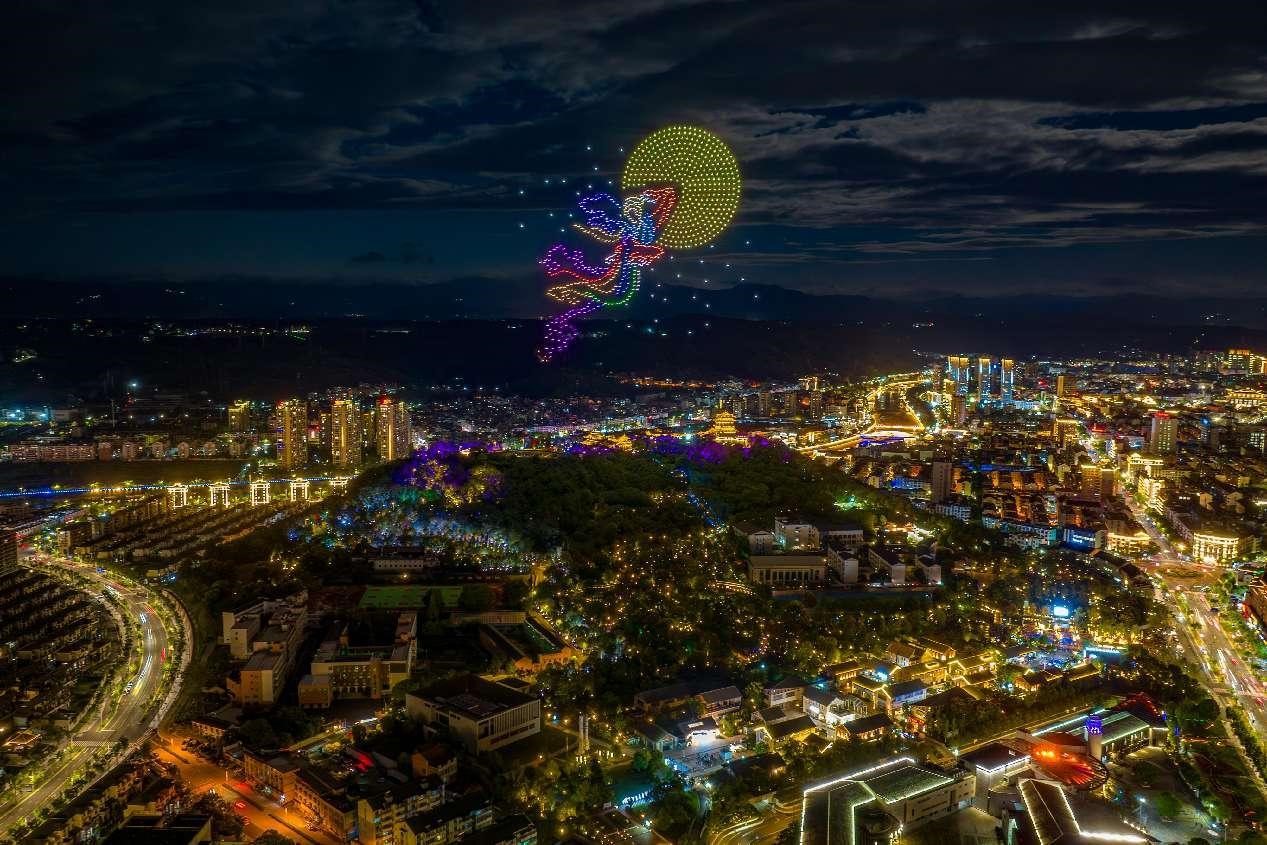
497, 298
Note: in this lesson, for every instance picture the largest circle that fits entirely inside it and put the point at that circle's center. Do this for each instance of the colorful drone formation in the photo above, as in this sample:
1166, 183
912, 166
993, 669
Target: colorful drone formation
682, 185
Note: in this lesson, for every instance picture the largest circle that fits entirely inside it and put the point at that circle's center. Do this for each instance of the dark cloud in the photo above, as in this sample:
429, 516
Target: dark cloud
902, 132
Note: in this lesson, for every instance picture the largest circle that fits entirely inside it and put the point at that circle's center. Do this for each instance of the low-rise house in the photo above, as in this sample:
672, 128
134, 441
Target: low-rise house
787, 692
902, 653
840, 674
718, 702
865, 728
434, 760
934, 650
795, 729
875, 693
906, 692
826, 708
664, 698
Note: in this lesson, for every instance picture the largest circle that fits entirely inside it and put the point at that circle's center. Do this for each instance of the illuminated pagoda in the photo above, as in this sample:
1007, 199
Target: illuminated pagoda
723, 427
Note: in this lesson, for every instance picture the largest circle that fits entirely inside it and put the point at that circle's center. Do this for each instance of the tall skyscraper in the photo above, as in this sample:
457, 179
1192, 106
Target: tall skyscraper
814, 410
958, 411
960, 369
394, 433
292, 452
941, 481
1007, 375
240, 417
345, 434
1062, 386
985, 380
1163, 435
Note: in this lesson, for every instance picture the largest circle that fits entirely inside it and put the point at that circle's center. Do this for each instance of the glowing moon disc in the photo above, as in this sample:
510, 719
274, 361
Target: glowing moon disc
705, 174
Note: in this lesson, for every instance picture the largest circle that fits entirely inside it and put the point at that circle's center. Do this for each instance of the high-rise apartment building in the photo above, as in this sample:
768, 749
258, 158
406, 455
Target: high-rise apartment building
345, 434
814, 406
1007, 376
941, 481
1163, 435
958, 411
8, 549
394, 434
292, 452
1062, 386
985, 378
959, 367
1242, 361
240, 417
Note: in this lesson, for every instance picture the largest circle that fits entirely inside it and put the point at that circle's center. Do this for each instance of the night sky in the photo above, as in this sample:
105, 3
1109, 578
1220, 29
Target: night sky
888, 148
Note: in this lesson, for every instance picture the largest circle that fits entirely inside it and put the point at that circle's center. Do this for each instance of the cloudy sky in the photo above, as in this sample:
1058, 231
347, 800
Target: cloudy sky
887, 147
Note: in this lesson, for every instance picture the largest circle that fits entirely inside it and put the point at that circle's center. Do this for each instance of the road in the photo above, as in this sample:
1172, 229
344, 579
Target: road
260, 812
127, 717
1226, 676
1240, 683
1211, 647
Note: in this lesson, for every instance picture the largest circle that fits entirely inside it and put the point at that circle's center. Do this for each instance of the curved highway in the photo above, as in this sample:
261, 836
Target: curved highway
127, 713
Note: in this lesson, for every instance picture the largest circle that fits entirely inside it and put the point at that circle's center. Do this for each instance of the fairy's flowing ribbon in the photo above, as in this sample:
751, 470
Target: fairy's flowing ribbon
631, 227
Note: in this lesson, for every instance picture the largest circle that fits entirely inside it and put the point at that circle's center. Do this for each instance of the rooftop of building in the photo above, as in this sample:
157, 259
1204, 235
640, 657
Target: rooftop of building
790, 727
993, 756
720, 694
905, 782
474, 696
867, 724
145, 830
1056, 821
455, 809
911, 687
260, 661
516, 826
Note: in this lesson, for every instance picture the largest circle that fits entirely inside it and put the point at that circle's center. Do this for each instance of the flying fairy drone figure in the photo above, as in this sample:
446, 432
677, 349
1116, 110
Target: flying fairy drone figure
684, 185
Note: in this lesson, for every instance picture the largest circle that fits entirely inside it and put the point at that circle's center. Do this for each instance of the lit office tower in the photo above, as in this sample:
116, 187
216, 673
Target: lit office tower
240, 417
960, 369
958, 411
1162, 436
292, 452
1062, 386
1007, 374
985, 380
345, 434
393, 430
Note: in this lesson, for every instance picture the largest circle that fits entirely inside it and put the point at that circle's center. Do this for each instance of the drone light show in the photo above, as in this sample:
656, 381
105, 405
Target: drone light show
681, 189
